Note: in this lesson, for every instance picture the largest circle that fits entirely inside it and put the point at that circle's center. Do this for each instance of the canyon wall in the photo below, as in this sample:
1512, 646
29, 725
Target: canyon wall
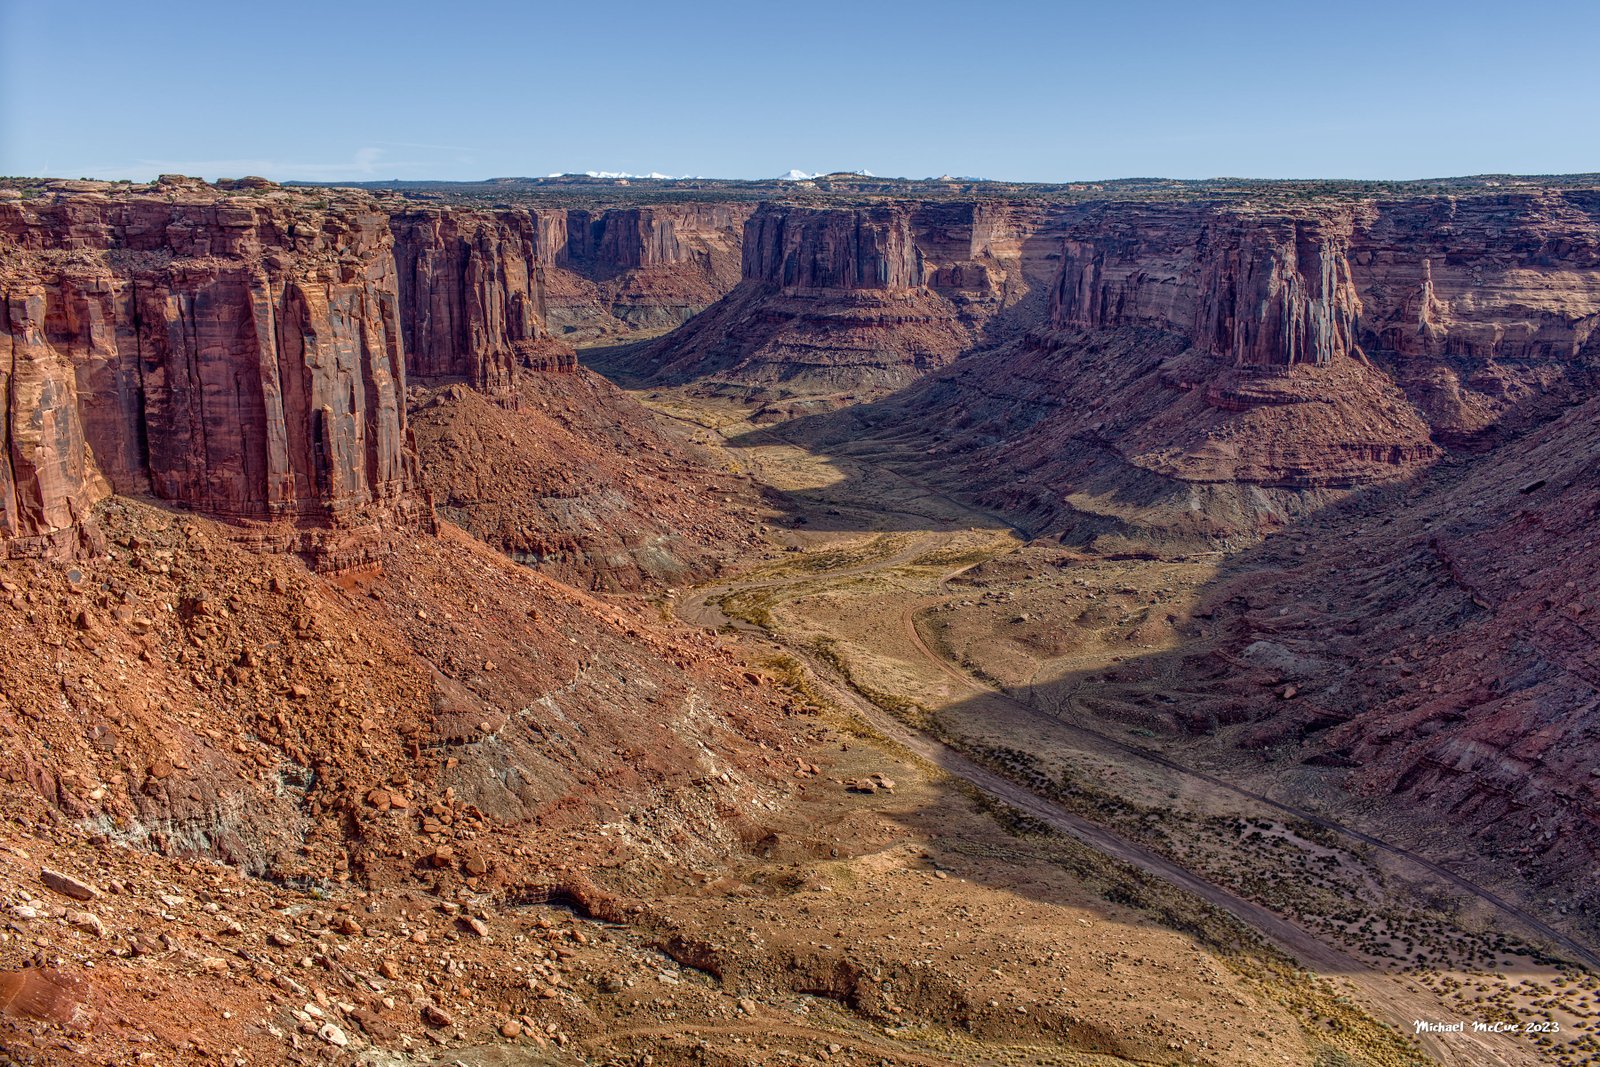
833, 248
852, 299
1470, 304
237, 356
243, 352
986, 249
617, 272
1263, 292
1442, 643
1209, 371
1311, 343
472, 294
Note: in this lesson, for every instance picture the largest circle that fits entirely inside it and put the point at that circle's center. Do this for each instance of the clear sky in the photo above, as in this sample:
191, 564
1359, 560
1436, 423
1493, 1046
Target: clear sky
1016, 89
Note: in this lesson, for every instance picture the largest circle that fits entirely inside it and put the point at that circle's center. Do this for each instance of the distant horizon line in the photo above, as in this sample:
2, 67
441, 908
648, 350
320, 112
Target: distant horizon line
798, 177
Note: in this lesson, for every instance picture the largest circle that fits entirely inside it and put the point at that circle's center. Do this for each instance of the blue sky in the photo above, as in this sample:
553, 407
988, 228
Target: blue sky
1014, 89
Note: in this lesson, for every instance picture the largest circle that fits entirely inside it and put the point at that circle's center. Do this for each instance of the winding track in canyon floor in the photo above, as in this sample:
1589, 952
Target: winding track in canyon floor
1100, 739
1389, 997
976, 685
1533, 924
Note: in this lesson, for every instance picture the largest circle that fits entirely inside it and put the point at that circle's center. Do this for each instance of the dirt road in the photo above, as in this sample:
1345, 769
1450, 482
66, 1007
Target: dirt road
1094, 737
1388, 997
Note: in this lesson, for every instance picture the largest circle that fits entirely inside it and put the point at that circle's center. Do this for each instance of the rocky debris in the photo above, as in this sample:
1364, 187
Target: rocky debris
67, 885
576, 480
872, 783
216, 771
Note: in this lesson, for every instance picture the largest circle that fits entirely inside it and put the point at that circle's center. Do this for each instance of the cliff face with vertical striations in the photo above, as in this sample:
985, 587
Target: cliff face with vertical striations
237, 356
852, 299
1307, 345
472, 295
1267, 292
617, 272
244, 351
1470, 305
833, 248
47, 478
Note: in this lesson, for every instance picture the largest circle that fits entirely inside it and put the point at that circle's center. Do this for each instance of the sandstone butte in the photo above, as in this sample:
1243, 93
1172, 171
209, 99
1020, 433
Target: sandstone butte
208, 389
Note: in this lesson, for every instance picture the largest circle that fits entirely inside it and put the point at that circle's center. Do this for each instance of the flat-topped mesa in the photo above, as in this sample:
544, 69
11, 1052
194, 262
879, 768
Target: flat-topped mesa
472, 295
1271, 292
837, 300
240, 356
798, 248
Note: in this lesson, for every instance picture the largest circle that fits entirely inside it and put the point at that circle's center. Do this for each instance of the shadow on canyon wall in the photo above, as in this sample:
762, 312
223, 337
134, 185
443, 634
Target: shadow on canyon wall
1433, 636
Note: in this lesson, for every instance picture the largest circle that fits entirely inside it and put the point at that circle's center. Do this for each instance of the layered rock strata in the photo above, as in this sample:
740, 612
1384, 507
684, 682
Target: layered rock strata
235, 355
852, 299
244, 351
1468, 304
642, 270
472, 295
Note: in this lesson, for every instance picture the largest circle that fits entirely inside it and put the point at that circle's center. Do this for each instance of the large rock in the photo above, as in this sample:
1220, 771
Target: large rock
48, 481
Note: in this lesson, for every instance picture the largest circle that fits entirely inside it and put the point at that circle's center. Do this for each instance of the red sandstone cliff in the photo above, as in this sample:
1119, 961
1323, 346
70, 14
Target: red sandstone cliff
472, 295
1311, 345
1468, 303
243, 352
236, 355
837, 299
1259, 292
828, 248
623, 271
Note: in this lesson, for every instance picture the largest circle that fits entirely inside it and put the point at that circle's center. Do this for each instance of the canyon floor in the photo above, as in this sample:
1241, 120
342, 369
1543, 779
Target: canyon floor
957, 639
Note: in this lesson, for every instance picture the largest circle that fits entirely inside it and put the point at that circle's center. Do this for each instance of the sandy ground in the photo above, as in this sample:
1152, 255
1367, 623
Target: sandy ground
950, 636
